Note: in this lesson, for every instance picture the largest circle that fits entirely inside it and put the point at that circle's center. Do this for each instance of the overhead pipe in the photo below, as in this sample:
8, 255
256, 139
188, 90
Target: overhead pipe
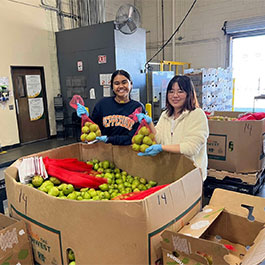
58, 10
173, 28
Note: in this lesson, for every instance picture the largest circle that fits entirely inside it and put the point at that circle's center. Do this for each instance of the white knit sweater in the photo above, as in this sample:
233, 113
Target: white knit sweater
190, 130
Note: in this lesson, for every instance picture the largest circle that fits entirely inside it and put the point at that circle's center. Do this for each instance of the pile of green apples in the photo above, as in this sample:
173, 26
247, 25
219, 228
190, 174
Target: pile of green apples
118, 182
143, 139
89, 132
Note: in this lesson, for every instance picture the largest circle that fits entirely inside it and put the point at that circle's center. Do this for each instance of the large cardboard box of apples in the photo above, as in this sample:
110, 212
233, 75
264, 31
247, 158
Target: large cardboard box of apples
108, 232
228, 231
236, 146
15, 247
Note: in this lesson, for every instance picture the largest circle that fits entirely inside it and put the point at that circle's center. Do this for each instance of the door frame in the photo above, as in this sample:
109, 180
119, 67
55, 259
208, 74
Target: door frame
46, 111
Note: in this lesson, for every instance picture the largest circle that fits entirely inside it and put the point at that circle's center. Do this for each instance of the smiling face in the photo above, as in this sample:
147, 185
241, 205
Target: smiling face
122, 87
176, 97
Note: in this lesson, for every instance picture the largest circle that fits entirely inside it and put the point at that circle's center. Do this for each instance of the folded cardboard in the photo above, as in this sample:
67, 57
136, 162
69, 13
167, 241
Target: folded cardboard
108, 232
236, 146
249, 178
230, 230
15, 247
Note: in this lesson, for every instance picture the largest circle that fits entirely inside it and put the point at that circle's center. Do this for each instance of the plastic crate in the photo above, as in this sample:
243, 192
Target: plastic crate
58, 101
59, 126
234, 184
59, 115
61, 135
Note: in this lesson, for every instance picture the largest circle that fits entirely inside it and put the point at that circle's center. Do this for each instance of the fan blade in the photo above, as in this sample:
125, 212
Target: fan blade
131, 9
131, 25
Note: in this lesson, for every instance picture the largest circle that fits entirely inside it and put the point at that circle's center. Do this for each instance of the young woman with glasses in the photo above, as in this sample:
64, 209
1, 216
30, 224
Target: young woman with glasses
183, 126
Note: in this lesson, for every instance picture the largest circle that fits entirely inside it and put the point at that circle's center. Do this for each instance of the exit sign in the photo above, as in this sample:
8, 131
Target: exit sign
102, 59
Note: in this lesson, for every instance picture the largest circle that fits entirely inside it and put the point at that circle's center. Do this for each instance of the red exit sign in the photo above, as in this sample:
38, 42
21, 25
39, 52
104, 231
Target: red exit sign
102, 59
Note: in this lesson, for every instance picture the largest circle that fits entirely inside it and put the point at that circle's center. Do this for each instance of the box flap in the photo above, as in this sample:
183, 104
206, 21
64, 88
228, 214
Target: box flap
256, 254
251, 207
232, 114
200, 222
213, 252
250, 178
15, 247
6, 221
174, 166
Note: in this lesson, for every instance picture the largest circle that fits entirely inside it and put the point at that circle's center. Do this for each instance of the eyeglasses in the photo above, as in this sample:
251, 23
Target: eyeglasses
123, 82
179, 92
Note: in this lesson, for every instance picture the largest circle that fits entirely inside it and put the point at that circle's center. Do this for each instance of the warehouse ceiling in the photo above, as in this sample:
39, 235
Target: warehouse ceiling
77, 13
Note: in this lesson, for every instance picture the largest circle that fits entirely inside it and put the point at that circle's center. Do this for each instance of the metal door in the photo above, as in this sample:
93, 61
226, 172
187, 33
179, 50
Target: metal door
31, 103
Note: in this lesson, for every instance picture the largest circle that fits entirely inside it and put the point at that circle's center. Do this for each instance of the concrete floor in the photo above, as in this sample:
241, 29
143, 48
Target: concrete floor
12, 154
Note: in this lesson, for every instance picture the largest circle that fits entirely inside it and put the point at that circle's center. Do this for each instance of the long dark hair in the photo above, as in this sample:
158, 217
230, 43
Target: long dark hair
185, 84
119, 72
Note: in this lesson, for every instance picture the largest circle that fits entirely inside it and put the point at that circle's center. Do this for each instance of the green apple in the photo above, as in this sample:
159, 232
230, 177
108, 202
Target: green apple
55, 181
86, 195
91, 137
107, 195
104, 187
69, 188
93, 127
85, 129
92, 192
61, 187
53, 191
106, 164
152, 183
72, 196
143, 180
83, 137
37, 181
136, 147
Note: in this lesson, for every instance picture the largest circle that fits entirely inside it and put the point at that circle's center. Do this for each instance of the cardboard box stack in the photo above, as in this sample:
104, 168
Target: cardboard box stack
214, 88
230, 230
15, 247
236, 147
108, 232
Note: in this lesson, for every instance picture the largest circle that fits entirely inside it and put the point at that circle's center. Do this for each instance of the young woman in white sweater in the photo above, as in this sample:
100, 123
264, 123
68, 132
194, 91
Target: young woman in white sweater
183, 126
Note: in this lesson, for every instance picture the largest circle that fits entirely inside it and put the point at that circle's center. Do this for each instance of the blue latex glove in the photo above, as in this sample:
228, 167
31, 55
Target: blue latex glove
81, 110
103, 138
152, 150
141, 116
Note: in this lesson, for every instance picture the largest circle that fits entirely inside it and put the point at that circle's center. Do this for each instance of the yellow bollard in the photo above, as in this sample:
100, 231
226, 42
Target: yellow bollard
148, 108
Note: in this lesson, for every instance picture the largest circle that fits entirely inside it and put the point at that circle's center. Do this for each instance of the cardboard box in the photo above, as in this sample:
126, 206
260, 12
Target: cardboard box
240, 182
249, 178
236, 146
15, 247
108, 232
230, 230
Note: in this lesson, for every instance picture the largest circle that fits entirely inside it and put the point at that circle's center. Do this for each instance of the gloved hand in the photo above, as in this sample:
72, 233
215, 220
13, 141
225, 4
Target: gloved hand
152, 150
103, 138
81, 110
141, 116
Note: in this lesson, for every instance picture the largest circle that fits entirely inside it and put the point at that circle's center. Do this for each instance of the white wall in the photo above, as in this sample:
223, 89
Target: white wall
203, 43
27, 39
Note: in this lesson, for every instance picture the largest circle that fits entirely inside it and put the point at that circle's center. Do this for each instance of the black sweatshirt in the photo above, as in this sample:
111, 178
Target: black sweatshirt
112, 118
